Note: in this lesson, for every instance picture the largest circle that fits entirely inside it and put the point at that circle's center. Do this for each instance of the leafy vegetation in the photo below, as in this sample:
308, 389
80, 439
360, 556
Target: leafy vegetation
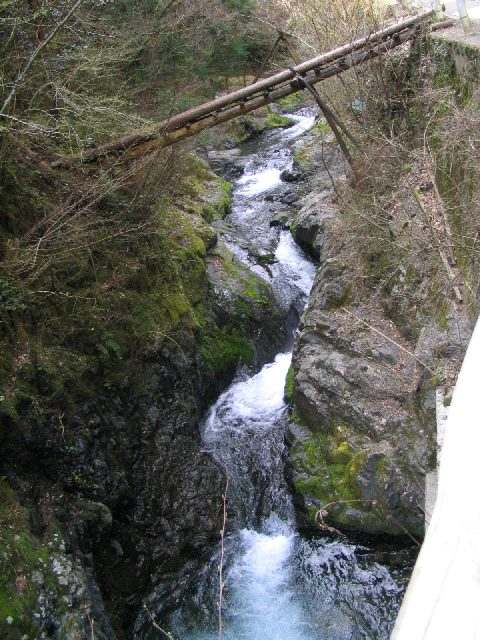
101, 264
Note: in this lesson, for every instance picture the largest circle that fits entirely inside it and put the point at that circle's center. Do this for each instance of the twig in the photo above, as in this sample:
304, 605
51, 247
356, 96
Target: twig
268, 57
327, 168
31, 60
385, 337
156, 625
92, 628
220, 566
288, 34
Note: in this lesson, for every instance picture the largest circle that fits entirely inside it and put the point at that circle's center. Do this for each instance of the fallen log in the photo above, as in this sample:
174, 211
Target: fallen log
257, 95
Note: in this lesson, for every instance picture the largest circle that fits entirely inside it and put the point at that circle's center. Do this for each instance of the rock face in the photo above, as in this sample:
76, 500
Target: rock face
369, 440
116, 498
364, 378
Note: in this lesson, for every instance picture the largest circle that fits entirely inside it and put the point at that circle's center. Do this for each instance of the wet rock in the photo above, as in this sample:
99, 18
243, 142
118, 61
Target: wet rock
360, 413
282, 219
289, 198
95, 515
292, 175
236, 292
367, 403
227, 163
310, 222
363, 387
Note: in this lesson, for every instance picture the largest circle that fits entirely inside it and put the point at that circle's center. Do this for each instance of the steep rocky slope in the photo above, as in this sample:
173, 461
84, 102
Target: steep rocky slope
106, 492
367, 361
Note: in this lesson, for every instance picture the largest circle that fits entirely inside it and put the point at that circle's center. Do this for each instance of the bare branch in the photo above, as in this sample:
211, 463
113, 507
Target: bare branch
21, 76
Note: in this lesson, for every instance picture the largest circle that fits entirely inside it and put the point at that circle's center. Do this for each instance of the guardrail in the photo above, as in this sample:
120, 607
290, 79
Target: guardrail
443, 598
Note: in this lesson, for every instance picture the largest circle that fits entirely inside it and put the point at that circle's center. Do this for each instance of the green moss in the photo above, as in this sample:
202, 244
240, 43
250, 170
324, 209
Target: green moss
292, 101
247, 287
204, 193
290, 385
255, 290
222, 349
303, 158
445, 74
220, 201
327, 470
20, 555
128, 297
251, 126
322, 127
35, 575
278, 121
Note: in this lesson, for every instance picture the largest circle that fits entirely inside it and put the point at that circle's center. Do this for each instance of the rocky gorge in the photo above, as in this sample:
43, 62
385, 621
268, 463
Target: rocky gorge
115, 521
225, 334
366, 368
105, 501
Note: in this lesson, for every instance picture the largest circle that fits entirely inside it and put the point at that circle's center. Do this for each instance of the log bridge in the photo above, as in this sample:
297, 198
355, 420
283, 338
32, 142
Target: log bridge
263, 92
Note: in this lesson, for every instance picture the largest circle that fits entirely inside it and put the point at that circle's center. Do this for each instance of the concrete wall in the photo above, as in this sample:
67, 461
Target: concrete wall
443, 598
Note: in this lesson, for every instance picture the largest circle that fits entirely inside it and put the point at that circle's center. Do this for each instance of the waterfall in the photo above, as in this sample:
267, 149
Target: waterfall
278, 586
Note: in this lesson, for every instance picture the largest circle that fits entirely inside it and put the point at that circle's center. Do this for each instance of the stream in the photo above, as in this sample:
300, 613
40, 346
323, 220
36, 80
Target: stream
279, 585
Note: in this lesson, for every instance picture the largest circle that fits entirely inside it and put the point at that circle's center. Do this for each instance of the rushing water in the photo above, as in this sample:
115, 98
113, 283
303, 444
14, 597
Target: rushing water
278, 585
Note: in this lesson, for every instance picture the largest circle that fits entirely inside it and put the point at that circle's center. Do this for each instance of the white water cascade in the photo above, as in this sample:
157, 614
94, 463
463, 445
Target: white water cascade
278, 586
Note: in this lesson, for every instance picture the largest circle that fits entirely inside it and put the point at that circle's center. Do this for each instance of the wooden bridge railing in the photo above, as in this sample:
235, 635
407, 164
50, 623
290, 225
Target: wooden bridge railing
259, 94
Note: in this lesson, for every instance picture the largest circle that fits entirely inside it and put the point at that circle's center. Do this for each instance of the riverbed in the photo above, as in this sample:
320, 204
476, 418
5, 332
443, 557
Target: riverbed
278, 585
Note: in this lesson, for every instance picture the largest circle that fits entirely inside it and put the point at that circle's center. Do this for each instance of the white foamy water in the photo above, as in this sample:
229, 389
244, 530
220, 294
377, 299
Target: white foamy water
262, 604
255, 402
297, 267
303, 124
277, 585
253, 184
263, 592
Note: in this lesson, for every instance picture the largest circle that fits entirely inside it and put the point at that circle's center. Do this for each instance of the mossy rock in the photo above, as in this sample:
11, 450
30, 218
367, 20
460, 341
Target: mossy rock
250, 127
224, 349
289, 385
206, 194
293, 101
99, 314
329, 472
278, 121
36, 577
243, 308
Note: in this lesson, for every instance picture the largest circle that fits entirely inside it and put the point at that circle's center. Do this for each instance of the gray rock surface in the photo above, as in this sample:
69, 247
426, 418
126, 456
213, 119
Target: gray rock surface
365, 371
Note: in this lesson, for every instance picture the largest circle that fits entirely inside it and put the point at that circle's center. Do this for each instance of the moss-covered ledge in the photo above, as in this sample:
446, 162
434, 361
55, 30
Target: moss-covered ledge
43, 589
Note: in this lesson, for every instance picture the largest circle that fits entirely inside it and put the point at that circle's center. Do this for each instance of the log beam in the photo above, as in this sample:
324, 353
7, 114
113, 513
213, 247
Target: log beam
257, 95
